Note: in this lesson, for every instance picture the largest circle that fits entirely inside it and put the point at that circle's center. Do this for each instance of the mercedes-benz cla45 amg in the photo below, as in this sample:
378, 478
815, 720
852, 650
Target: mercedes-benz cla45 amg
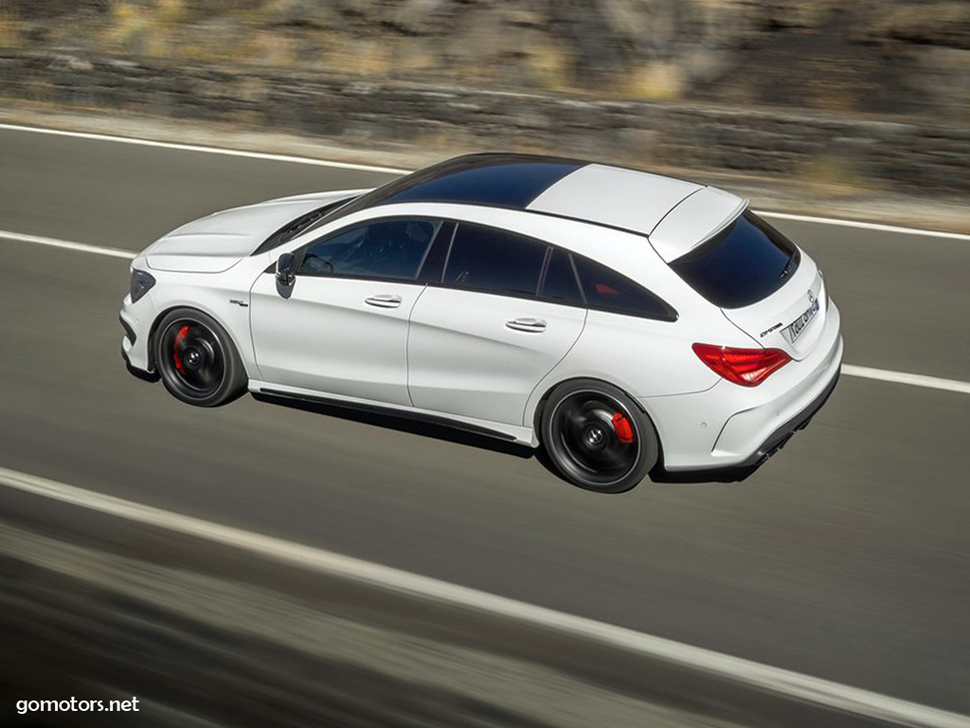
625, 322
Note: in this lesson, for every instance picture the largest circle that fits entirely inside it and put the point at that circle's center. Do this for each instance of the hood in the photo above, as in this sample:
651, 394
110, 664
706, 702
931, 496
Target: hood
215, 243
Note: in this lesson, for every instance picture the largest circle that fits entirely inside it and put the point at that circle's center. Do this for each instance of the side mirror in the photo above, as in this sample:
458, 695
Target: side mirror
286, 270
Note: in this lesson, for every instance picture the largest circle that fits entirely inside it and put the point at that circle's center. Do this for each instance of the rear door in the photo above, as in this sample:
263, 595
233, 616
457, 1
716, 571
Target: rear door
483, 338
763, 283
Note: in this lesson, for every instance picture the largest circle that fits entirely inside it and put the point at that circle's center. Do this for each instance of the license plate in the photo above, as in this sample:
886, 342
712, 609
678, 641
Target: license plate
796, 327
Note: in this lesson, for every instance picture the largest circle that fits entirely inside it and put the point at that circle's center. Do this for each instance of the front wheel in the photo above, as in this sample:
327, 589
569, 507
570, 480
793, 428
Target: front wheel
596, 437
196, 359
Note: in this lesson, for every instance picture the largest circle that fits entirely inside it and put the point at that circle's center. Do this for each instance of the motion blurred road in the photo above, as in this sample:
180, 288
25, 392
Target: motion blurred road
846, 557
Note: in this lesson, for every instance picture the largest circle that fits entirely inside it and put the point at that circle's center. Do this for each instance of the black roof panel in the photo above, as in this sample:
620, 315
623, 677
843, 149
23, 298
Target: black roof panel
494, 180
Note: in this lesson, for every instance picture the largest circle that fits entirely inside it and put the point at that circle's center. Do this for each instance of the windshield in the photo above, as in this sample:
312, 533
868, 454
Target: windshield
300, 225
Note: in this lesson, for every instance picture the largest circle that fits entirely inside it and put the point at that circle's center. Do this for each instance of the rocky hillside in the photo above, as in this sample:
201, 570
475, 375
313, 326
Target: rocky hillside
859, 56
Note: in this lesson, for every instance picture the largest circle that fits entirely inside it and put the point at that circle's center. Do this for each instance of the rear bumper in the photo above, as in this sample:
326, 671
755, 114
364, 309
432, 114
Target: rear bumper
729, 430
783, 434
775, 442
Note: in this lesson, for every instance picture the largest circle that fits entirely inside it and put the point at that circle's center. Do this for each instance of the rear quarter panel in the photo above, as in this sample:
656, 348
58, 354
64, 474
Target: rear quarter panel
643, 357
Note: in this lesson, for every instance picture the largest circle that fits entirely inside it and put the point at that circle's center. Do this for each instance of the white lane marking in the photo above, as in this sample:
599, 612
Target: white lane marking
289, 158
883, 375
783, 682
916, 380
55, 243
294, 159
864, 225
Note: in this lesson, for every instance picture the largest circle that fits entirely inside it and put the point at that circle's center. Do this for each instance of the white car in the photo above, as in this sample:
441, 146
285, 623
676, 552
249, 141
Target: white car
627, 323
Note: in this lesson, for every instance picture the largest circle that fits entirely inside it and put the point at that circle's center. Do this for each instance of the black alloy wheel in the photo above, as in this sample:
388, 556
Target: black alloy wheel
597, 438
197, 360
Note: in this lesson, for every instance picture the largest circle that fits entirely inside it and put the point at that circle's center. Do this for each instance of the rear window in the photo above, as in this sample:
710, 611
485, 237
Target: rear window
746, 262
607, 290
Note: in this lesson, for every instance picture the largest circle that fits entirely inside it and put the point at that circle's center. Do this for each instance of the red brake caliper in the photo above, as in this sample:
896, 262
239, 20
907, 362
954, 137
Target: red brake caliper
621, 426
183, 332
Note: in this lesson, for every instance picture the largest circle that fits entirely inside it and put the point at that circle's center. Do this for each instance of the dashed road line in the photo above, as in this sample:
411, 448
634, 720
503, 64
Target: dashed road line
67, 244
782, 682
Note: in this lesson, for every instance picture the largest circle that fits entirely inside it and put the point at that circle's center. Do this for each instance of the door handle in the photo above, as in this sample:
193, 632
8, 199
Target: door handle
385, 300
529, 325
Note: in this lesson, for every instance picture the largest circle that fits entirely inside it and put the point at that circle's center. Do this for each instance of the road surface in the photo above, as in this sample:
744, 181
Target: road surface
846, 557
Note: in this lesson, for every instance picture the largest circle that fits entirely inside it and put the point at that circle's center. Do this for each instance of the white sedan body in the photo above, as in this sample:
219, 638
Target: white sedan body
485, 359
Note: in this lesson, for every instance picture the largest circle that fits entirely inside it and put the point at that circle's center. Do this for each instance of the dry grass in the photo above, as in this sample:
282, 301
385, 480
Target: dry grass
170, 12
168, 29
655, 81
834, 171
129, 28
353, 55
548, 67
9, 31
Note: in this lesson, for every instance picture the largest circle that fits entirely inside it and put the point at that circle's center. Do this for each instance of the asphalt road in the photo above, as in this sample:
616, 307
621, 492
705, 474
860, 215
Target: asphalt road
846, 557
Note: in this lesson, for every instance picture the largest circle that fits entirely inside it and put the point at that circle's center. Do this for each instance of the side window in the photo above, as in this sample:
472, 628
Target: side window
560, 284
607, 290
381, 249
487, 259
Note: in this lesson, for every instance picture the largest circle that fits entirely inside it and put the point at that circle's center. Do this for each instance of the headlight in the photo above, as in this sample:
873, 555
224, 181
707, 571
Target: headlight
141, 283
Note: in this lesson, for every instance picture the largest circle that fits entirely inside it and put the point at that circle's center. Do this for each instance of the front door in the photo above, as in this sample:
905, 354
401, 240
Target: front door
342, 327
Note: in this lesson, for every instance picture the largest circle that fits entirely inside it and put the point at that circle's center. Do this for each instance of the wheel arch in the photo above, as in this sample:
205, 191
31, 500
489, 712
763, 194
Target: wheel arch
544, 398
193, 306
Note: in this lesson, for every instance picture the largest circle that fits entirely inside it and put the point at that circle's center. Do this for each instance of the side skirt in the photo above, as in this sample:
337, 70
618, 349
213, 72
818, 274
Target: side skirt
507, 433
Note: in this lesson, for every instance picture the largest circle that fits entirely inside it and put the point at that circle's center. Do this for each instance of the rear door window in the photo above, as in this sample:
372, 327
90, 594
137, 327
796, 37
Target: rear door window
743, 264
496, 261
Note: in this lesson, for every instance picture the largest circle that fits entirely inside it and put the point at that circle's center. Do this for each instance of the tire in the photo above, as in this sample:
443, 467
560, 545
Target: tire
196, 359
596, 437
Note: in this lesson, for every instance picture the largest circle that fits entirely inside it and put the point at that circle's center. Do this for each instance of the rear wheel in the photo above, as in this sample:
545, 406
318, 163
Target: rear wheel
596, 437
196, 359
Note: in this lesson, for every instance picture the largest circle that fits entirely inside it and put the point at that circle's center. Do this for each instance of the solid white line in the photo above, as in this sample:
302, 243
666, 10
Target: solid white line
865, 225
69, 245
294, 159
883, 375
783, 682
916, 380
291, 159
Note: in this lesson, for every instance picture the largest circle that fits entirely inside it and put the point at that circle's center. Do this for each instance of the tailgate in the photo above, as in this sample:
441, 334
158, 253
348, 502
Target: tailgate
764, 284
791, 319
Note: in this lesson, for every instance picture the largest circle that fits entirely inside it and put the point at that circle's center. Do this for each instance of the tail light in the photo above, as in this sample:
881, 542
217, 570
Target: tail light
747, 367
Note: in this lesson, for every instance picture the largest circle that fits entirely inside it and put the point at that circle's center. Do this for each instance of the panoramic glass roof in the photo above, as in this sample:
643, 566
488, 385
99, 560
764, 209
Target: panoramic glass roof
495, 180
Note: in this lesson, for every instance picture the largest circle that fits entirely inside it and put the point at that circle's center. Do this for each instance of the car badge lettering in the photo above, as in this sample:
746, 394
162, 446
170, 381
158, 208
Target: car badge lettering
769, 330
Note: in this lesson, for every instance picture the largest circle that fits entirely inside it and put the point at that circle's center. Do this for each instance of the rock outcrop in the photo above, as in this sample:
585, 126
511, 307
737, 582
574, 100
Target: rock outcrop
865, 56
